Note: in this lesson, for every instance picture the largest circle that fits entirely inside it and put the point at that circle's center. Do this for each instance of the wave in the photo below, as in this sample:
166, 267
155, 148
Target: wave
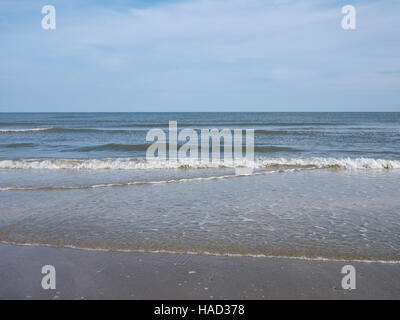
288, 132
114, 147
144, 147
276, 149
24, 130
124, 184
143, 164
8, 124
143, 126
204, 253
71, 130
92, 130
18, 145
235, 124
332, 163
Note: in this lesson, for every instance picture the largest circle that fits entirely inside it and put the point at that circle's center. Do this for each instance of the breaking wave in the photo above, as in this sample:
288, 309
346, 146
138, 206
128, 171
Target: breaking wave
24, 130
143, 164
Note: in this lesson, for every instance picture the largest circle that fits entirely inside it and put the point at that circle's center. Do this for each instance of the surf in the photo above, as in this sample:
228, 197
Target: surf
359, 164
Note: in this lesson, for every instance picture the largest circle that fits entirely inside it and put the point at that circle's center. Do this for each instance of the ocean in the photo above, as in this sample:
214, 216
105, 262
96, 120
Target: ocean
324, 186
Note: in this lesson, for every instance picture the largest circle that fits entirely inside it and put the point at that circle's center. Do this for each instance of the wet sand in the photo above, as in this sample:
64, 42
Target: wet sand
116, 275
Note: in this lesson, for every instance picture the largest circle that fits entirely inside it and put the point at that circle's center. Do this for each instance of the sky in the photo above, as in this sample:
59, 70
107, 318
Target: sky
199, 55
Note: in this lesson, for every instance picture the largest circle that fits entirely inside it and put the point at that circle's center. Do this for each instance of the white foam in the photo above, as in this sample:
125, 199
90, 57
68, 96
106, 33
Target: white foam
340, 163
24, 130
143, 164
206, 253
126, 184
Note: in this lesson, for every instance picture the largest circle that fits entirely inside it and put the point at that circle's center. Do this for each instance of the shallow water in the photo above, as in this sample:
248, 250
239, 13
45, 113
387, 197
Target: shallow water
330, 187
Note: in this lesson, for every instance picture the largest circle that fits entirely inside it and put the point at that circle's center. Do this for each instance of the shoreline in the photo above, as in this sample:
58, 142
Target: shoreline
208, 254
84, 274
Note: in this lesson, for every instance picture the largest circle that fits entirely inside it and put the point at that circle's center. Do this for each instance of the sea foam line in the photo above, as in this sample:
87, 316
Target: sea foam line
127, 184
204, 253
261, 163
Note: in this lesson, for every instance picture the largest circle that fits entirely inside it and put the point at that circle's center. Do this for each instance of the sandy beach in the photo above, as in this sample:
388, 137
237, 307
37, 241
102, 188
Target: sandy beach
116, 275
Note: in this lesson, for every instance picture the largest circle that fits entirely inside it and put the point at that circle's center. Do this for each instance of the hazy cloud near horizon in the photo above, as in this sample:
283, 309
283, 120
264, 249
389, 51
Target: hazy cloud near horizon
199, 55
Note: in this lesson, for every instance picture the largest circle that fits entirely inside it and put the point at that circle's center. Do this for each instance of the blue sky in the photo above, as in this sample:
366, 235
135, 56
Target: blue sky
199, 55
